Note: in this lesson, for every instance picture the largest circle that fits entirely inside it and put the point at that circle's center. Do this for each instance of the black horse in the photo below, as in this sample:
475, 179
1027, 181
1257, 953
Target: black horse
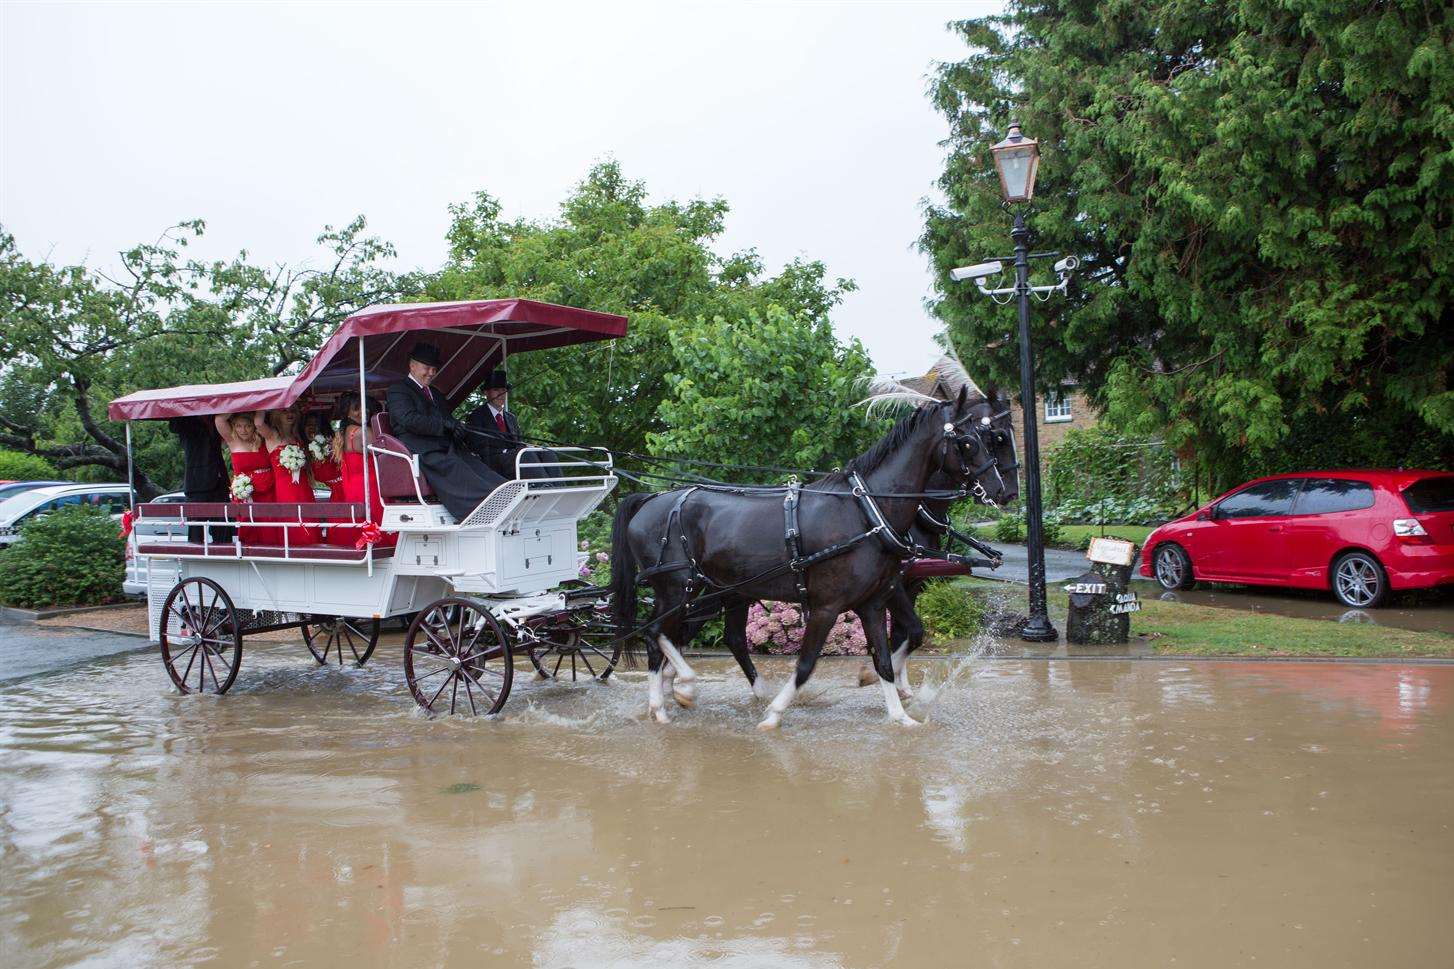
932, 531
850, 540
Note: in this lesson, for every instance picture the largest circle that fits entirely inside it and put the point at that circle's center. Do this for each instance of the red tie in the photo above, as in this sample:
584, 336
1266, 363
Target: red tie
500, 421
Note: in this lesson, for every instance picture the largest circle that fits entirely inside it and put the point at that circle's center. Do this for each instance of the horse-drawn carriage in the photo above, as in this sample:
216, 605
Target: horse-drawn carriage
503, 579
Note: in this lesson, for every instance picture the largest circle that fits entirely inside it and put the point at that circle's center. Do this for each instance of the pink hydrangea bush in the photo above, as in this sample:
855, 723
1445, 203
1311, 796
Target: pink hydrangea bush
779, 630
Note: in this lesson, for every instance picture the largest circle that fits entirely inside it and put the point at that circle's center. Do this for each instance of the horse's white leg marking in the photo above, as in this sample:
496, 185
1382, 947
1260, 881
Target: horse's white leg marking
895, 706
901, 671
779, 704
668, 679
686, 693
653, 698
760, 689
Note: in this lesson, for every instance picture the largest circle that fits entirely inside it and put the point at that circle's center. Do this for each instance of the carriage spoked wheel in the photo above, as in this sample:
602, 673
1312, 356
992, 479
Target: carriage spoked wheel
329, 635
457, 658
200, 636
584, 638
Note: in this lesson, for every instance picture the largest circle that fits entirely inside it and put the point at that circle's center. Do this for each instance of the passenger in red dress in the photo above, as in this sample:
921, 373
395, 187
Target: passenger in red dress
348, 445
327, 471
279, 431
249, 457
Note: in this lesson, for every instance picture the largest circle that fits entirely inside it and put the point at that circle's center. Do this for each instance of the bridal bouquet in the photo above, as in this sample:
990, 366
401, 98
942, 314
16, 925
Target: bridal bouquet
241, 487
320, 447
293, 458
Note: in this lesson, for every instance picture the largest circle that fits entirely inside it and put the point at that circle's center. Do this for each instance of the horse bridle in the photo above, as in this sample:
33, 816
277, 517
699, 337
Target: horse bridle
981, 437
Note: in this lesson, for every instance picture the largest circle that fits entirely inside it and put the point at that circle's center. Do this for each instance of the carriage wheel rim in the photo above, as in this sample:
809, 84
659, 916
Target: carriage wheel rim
458, 676
207, 629
578, 642
1357, 582
334, 632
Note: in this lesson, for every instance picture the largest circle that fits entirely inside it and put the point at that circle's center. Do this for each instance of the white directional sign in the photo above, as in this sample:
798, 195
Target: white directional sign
1112, 551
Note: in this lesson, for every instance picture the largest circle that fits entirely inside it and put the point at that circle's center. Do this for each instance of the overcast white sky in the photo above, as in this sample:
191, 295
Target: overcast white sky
271, 120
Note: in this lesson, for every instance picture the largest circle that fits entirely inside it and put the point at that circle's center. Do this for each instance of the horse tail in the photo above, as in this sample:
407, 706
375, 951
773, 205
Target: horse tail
623, 573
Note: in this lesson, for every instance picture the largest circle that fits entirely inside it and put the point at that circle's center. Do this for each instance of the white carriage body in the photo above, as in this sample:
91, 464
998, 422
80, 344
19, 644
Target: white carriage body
514, 548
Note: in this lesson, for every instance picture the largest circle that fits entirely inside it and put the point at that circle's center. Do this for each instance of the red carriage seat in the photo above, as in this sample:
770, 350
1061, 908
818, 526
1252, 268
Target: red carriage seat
396, 477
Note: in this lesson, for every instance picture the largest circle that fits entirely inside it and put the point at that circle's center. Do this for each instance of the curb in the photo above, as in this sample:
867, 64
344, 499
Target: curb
32, 615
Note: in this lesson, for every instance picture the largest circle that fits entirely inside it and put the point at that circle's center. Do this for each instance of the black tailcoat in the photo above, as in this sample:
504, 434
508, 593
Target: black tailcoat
419, 420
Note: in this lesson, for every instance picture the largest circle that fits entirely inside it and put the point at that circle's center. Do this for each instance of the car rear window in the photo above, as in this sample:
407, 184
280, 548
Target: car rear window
1323, 496
1430, 495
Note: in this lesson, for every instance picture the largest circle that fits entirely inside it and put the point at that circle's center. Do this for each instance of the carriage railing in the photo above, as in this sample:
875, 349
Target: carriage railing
177, 519
573, 473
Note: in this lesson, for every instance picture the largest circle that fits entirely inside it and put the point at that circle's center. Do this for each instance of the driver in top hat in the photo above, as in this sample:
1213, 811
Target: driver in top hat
496, 436
420, 418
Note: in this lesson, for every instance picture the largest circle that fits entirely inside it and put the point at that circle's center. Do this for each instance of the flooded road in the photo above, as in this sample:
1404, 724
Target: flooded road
1110, 813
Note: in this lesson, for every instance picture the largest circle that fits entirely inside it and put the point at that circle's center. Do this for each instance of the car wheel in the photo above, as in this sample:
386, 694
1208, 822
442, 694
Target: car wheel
1359, 581
1172, 568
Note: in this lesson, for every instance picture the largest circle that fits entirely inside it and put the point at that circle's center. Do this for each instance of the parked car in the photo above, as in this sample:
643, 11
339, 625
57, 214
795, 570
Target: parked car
1360, 534
9, 489
29, 505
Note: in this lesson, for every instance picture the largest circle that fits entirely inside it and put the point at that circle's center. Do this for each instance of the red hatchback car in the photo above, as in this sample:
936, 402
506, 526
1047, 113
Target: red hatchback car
1360, 533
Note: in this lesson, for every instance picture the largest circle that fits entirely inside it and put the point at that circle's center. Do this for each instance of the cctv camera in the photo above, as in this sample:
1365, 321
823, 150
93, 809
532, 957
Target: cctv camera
1067, 265
978, 271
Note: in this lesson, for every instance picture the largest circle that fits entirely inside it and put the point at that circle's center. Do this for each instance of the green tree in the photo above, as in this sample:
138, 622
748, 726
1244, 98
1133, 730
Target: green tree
773, 389
612, 250
74, 338
1263, 196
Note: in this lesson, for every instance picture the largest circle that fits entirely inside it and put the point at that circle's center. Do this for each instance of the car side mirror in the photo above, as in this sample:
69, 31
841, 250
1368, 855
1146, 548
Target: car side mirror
1204, 516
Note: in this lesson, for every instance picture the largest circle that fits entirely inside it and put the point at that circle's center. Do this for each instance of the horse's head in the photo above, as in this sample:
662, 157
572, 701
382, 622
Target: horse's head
979, 446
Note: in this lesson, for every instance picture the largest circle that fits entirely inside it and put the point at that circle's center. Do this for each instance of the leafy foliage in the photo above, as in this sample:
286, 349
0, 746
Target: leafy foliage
948, 609
75, 338
769, 390
1097, 475
1260, 194
18, 466
613, 251
72, 556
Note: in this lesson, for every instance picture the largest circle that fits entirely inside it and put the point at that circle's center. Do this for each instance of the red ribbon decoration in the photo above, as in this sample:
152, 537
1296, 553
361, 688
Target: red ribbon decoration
126, 523
370, 534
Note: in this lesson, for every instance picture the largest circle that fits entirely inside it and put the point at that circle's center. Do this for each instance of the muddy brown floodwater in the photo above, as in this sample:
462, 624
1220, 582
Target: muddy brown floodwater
1119, 814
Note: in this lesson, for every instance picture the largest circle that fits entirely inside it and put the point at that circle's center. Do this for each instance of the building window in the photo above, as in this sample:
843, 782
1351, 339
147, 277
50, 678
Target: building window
1057, 407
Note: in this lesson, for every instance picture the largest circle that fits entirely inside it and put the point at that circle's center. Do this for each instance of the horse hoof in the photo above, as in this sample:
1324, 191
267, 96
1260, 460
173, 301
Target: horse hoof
867, 676
768, 725
909, 722
761, 690
660, 716
684, 700
906, 695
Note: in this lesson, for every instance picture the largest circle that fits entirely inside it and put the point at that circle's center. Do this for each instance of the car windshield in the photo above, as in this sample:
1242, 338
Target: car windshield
1428, 496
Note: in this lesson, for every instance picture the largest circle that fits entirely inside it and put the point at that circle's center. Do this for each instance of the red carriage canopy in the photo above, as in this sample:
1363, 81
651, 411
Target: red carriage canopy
474, 337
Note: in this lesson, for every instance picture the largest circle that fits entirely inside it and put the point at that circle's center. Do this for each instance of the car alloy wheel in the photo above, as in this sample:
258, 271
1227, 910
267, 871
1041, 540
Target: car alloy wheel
1358, 581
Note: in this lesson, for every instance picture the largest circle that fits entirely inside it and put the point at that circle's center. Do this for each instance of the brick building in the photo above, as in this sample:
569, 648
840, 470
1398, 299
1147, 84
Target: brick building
1054, 416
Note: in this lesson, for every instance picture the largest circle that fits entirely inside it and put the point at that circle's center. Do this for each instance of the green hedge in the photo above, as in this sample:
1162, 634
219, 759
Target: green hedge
15, 466
71, 557
948, 611
1096, 475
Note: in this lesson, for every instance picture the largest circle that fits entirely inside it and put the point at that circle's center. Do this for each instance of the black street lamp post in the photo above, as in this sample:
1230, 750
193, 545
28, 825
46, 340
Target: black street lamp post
1017, 160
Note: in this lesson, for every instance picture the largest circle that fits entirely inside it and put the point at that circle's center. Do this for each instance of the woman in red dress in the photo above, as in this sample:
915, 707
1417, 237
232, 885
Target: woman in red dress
348, 445
249, 457
327, 471
279, 430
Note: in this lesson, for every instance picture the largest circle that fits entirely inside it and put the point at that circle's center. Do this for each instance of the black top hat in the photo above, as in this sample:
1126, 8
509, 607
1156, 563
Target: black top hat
426, 353
497, 380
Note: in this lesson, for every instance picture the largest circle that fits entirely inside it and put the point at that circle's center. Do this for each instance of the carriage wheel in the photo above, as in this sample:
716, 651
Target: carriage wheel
330, 635
583, 640
457, 658
201, 637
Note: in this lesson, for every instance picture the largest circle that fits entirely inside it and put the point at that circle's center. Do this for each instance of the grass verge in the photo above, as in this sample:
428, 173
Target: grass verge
1183, 629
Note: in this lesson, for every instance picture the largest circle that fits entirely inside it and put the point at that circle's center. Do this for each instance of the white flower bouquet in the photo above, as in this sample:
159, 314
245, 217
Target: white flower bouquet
241, 487
320, 447
293, 458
